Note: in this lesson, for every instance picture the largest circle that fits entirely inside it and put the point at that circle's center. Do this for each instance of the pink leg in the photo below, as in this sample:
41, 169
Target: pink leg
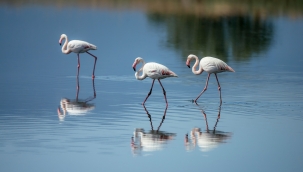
93, 76
150, 91
78, 61
205, 88
164, 92
78, 71
219, 88
78, 87
78, 65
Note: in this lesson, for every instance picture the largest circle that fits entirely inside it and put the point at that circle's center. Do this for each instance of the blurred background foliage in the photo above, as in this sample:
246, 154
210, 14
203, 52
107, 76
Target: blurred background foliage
211, 8
238, 37
237, 29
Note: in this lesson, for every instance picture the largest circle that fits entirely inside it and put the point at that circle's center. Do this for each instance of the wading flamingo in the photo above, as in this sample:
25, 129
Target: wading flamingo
154, 71
210, 65
77, 46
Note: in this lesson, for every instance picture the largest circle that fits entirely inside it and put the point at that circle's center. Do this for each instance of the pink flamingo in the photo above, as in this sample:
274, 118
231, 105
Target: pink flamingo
154, 71
77, 46
210, 65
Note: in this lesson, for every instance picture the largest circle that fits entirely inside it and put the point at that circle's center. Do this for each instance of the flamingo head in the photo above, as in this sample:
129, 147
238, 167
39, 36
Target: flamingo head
63, 36
188, 63
137, 60
189, 58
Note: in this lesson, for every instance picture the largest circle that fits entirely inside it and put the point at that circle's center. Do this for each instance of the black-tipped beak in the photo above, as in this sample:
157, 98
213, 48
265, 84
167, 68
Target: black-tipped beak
188, 66
134, 69
60, 44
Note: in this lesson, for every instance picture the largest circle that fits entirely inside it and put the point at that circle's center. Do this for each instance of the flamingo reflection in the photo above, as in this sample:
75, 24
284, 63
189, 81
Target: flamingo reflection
152, 140
76, 106
207, 140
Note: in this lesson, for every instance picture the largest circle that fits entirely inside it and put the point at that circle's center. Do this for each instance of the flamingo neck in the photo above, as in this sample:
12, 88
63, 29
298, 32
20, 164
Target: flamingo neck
197, 72
65, 50
143, 76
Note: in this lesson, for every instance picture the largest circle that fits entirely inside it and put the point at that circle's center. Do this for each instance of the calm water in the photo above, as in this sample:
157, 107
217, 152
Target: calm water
260, 126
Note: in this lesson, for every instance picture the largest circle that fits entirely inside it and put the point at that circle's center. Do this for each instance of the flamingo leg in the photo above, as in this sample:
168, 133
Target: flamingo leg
93, 76
219, 88
150, 91
78, 87
205, 88
164, 92
78, 65
78, 61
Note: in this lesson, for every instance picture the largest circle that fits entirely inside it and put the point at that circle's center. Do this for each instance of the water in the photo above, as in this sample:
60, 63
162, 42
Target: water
260, 122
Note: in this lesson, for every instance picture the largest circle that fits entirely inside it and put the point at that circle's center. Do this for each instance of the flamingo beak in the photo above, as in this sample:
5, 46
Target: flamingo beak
134, 66
188, 63
60, 43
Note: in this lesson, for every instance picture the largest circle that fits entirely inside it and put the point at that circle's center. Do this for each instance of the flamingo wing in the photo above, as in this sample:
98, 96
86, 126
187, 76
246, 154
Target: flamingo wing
222, 66
157, 71
78, 46
214, 65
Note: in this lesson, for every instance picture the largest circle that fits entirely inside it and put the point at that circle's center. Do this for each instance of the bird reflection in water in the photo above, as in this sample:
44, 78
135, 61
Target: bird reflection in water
152, 140
207, 140
76, 106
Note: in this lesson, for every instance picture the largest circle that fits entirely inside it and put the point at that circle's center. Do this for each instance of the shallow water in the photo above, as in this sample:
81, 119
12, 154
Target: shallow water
260, 122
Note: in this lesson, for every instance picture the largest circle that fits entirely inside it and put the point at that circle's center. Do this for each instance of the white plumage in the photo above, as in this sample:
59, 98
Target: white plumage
154, 71
157, 71
77, 47
213, 65
210, 65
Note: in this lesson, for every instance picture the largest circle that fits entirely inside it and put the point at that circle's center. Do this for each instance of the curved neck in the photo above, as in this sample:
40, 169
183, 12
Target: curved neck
197, 72
143, 76
64, 47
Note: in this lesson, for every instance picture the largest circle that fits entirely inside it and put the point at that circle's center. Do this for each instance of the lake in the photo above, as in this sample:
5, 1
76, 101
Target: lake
52, 120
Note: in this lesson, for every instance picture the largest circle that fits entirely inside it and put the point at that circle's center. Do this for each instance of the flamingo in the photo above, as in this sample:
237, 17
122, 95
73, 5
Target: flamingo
210, 65
154, 71
78, 47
